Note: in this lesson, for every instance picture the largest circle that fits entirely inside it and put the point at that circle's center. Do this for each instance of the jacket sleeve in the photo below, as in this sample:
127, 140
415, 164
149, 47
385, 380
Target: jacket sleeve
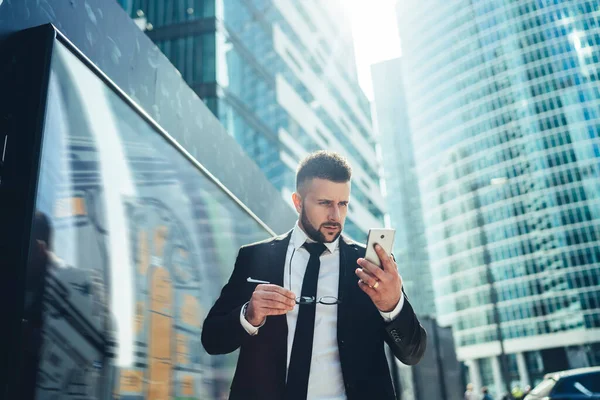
405, 336
222, 331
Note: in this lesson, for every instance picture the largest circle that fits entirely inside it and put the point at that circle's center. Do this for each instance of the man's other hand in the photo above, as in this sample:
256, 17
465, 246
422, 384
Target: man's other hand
266, 300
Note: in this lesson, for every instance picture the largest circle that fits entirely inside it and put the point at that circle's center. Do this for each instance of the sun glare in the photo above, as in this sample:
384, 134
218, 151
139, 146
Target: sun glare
376, 39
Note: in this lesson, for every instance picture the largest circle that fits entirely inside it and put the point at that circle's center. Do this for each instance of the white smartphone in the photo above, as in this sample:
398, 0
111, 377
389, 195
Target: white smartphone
382, 236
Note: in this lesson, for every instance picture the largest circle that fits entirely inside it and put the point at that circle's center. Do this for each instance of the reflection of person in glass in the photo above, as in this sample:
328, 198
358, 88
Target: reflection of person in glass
34, 290
307, 321
72, 328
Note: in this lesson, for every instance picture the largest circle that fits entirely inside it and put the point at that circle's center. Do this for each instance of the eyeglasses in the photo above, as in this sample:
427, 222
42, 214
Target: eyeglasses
303, 300
326, 300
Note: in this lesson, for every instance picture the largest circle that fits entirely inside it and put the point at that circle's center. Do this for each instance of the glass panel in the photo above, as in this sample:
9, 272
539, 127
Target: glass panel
579, 384
591, 382
133, 246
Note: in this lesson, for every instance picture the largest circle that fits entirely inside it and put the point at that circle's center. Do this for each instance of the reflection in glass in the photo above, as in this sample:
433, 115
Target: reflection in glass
141, 243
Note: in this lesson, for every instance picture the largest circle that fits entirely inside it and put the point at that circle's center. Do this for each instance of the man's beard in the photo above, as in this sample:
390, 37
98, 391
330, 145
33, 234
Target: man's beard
316, 234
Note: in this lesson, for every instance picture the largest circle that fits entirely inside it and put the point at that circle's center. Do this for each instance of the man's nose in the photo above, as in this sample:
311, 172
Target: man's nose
334, 213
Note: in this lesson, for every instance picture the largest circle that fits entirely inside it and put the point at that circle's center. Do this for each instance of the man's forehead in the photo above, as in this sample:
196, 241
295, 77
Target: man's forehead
326, 189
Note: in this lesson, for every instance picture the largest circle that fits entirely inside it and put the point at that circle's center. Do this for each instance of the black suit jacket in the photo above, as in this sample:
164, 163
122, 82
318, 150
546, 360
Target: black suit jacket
361, 331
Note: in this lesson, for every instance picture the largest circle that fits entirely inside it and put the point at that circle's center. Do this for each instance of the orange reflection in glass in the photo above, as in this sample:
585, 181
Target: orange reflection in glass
161, 320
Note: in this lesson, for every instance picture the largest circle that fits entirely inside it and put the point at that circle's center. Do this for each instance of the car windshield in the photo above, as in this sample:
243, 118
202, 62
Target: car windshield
544, 388
586, 384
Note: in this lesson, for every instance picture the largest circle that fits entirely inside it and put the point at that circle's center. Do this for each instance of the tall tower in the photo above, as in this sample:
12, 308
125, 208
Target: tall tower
402, 188
503, 100
280, 76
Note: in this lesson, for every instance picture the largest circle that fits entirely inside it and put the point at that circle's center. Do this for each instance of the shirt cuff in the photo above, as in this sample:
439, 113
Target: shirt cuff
248, 327
390, 316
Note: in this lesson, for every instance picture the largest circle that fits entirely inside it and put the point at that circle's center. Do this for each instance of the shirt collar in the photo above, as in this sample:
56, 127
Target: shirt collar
299, 238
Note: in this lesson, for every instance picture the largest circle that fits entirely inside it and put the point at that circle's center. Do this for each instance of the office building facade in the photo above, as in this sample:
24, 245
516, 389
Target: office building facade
438, 374
280, 76
503, 99
401, 185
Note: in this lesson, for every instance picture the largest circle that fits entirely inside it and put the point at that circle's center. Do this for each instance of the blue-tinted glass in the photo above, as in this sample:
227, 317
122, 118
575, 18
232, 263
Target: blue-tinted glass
140, 243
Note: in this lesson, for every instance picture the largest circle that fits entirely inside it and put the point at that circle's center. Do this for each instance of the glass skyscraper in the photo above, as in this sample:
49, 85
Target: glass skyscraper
280, 76
503, 99
401, 185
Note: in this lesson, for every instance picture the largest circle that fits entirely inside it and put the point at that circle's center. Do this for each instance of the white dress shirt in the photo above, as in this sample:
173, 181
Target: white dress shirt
325, 381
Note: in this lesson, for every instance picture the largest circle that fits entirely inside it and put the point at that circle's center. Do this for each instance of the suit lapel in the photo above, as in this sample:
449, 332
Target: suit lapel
278, 324
345, 293
347, 258
276, 263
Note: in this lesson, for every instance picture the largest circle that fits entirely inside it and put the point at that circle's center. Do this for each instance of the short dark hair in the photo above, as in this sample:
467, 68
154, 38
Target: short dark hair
323, 164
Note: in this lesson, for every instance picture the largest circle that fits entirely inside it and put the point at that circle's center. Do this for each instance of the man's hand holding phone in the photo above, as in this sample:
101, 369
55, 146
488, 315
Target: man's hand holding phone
268, 299
383, 285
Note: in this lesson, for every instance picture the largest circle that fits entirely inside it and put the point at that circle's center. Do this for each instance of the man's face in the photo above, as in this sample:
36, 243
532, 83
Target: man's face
322, 206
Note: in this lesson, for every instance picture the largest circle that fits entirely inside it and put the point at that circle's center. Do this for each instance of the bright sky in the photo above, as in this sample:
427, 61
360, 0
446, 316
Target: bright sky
375, 36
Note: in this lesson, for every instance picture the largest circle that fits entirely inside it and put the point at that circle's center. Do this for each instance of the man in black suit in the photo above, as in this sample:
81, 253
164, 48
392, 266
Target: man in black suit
307, 311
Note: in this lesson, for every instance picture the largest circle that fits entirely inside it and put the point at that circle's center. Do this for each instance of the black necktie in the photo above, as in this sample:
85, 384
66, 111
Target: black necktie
299, 368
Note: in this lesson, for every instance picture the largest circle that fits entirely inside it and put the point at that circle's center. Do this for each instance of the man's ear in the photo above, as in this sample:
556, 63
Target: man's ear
297, 199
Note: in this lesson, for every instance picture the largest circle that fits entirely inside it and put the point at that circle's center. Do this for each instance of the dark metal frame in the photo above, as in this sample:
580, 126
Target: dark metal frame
24, 75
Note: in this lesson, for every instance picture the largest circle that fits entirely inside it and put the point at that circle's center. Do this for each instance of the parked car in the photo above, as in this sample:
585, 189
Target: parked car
573, 384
